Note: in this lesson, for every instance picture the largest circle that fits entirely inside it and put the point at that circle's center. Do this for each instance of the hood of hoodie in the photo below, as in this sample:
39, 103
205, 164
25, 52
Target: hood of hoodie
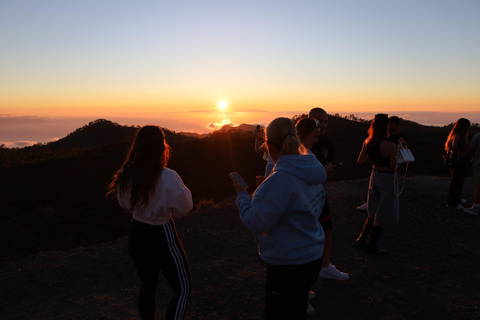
305, 167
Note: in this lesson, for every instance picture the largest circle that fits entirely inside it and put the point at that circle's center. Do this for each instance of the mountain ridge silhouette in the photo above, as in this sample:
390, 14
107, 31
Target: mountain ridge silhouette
53, 195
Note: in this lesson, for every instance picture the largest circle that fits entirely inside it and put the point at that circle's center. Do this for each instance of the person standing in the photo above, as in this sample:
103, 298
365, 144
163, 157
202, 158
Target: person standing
456, 146
396, 136
261, 147
283, 215
382, 201
154, 195
324, 151
474, 148
307, 133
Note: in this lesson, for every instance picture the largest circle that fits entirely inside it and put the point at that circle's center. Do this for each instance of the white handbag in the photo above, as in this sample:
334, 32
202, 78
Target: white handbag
404, 155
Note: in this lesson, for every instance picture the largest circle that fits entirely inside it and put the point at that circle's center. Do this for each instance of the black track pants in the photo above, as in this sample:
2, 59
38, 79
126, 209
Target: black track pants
156, 249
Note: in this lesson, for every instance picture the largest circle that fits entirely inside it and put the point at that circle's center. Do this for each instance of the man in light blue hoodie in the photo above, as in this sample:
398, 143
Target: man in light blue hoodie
283, 214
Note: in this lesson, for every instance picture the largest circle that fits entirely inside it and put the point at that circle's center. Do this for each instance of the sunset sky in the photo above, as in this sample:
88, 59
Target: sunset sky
172, 62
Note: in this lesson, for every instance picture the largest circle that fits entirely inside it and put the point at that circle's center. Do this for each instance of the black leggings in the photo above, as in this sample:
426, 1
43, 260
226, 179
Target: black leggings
287, 288
457, 177
156, 249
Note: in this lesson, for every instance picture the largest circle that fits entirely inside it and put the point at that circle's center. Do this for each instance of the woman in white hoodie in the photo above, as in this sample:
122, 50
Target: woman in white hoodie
154, 195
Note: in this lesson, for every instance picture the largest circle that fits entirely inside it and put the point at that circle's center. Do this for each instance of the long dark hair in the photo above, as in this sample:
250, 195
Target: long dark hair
461, 127
148, 155
378, 129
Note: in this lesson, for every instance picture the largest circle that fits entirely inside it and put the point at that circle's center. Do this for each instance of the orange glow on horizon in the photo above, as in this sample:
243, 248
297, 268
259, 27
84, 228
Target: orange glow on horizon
202, 111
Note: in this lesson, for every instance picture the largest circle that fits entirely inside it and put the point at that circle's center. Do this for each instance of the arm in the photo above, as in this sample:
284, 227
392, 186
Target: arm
260, 213
329, 170
123, 199
181, 198
363, 156
259, 218
259, 148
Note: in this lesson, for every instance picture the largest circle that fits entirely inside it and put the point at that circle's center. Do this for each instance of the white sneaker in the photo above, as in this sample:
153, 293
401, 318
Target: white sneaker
458, 207
311, 295
331, 272
310, 309
472, 210
363, 207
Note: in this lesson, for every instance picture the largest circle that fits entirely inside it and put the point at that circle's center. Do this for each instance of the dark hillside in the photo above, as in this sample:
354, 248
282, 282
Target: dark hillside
60, 203
204, 164
95, 134
104, 132
347, 137
56, 200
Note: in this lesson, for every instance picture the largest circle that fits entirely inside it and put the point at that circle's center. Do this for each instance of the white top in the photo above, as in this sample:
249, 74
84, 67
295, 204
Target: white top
171, 198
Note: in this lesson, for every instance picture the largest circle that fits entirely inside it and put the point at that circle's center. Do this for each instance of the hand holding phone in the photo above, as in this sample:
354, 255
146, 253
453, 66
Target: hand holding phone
238, 179
335, 166
258, 132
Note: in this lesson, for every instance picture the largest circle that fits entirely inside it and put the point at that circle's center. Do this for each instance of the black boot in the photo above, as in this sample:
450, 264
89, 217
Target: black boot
372, 248
362, 239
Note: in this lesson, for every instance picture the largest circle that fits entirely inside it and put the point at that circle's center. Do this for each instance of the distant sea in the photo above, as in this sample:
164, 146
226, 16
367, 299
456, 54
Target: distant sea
426, 118
21, 131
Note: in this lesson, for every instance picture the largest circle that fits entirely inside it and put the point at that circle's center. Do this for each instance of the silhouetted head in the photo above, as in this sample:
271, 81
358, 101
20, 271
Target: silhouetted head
150, 147
394, 120
461, 126
322, 117
308, 131
378, 129
394, 125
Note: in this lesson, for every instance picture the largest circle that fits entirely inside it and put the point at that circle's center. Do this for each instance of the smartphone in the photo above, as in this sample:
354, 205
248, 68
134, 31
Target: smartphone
335, 166
238, 179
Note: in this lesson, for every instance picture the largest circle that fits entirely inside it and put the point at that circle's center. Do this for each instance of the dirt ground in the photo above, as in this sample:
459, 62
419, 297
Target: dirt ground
431, 271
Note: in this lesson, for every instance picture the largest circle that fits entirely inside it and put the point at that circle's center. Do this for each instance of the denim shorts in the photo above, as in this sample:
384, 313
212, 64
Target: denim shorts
383, 204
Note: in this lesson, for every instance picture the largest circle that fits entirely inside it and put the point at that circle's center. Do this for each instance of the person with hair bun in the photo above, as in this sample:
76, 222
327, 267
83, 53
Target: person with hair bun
154, 195
283, 215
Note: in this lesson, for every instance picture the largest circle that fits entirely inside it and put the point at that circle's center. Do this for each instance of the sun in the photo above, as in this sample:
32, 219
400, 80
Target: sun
222, 105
